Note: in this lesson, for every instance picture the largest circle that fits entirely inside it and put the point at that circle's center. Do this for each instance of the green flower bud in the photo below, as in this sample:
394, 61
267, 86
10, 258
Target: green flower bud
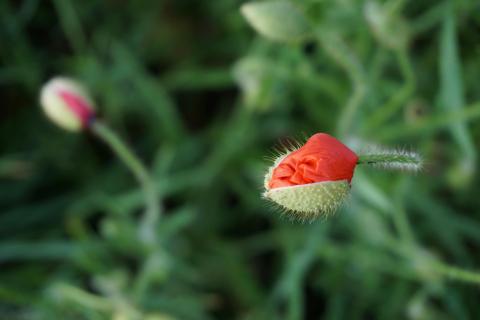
277, 20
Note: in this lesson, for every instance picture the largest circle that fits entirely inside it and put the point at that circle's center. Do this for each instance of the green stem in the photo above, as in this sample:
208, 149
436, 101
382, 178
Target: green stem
336, 48
152, 213
428, 124
437, 267
391, 106
400, 221
400, 216
456, 273
83, 298
392, 159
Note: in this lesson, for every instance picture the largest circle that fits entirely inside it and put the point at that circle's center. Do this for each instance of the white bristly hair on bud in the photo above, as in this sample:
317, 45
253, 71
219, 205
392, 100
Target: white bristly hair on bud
278, 155
308, 202
398, 159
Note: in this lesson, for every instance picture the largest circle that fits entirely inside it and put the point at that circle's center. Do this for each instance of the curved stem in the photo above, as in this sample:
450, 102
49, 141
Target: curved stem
346, 58
152, 213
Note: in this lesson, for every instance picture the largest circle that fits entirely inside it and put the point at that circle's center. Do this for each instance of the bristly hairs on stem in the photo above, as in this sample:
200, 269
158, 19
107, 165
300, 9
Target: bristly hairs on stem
397, 159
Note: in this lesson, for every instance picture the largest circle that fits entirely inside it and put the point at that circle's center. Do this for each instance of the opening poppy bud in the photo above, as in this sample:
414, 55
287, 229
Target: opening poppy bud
314, 179
67, 104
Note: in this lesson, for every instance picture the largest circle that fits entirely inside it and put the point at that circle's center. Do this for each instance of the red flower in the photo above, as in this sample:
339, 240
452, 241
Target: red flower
322, 158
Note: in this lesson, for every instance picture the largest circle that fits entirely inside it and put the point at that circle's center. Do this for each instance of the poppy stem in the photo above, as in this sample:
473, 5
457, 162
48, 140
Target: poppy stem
81, 297
392, 160
456, 273
152, 213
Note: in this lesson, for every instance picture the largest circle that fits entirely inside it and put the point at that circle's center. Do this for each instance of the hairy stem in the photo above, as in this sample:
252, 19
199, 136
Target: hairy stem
392, 159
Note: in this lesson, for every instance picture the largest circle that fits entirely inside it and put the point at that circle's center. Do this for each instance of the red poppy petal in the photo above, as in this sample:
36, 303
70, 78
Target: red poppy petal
322, 158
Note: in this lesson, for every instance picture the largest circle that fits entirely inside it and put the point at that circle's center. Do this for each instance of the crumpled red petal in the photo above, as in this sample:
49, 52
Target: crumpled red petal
322, 158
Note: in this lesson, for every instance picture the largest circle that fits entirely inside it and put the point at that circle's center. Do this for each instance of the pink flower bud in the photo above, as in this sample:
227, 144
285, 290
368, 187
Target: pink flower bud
67, 104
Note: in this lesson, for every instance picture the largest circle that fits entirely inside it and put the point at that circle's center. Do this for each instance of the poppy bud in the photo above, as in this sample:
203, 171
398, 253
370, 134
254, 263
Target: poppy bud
67, 104
314, 179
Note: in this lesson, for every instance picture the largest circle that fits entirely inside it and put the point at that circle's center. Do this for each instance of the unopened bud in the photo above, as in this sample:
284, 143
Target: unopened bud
280, 21
67, 104
312, 180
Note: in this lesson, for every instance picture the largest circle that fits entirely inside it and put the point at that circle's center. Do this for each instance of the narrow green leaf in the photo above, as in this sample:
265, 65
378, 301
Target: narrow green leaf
70, 23
428, 125
50, 250
451, 93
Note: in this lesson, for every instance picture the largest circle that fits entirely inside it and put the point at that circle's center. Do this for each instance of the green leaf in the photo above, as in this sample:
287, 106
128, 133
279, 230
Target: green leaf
46, 250
452, 99
277, 20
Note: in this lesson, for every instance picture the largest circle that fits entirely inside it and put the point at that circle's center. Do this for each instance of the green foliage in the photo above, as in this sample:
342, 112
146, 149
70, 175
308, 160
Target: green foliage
202, 98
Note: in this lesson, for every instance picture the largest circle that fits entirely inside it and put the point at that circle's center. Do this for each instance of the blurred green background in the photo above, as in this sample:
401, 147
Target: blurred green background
203, 98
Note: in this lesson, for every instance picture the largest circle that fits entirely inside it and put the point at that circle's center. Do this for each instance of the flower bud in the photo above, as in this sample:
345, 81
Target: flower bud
280, 21
314, 179
67, 104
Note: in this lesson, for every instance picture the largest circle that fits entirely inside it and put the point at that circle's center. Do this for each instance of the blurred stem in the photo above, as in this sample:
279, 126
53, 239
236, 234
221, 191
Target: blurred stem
378, 64
438, 267
346, 58
145, 277
400, 217
456, 273
298, 262
435, 122
152, 213
83, 298
384, 112
403, 227
346, 119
